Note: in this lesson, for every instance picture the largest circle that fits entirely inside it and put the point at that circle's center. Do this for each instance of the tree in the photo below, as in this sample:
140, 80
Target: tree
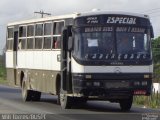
156, 58
156, 50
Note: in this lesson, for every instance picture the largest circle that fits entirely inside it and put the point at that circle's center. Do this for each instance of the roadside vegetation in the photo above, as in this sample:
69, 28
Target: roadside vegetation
2, 71
152, 101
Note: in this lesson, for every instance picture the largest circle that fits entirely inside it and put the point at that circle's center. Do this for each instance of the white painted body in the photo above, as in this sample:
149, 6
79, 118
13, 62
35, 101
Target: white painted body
77, 68
9, 59
41, 60
47, 60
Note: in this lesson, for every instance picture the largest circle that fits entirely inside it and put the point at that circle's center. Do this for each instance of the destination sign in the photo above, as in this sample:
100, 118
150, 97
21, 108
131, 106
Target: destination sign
111, 20
117, 29
98, 29
122, 20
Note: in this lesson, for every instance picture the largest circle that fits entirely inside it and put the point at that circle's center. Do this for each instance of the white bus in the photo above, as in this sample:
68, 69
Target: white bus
79, 57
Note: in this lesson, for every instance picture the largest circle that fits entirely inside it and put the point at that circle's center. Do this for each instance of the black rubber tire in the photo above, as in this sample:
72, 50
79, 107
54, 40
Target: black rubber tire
80, 100
58, 94
26, 94
36, 96
58, 98
126, 104
65, 101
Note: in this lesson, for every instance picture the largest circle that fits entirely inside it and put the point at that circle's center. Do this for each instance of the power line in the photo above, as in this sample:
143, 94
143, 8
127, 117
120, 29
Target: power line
149, 10
152, 11
43, 13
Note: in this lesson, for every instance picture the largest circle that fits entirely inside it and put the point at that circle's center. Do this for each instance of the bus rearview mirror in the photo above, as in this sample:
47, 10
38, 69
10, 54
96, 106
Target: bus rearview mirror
70, 43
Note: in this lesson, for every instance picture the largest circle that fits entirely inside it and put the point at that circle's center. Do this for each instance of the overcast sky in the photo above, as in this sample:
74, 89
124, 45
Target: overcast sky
15, 10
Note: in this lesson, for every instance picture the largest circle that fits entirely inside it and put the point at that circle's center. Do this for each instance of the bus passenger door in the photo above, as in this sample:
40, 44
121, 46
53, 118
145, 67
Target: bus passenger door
66, 80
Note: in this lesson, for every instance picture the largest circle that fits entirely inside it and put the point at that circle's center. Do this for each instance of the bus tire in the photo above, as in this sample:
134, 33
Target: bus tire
36, 96
126, 104
26, 94
81, 100
65, 101
58, 96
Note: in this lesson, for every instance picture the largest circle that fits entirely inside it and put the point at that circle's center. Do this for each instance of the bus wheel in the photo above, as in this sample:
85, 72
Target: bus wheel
36, 96
126, 104
65, 101
58, 97
81, 100
26, 94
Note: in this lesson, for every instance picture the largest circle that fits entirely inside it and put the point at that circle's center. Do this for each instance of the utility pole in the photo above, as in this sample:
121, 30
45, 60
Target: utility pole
42, 13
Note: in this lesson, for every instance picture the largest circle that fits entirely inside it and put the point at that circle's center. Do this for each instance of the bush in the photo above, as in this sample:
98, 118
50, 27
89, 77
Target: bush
152, 101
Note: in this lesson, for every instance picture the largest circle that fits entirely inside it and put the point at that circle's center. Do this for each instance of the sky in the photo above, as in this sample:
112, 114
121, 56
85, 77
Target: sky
16, 10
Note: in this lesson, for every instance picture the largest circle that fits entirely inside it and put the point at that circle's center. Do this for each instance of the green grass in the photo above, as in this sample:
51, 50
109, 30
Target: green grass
156, 73
3, 75
152, 101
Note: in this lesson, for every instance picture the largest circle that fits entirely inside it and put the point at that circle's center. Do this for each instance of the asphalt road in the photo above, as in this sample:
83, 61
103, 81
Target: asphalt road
12, 107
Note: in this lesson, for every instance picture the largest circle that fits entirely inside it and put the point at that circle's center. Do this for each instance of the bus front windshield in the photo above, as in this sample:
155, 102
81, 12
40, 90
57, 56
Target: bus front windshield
114, 44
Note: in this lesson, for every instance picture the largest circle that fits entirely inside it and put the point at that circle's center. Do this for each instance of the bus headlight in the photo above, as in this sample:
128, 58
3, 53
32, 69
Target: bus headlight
88, 84
144, 83
136, 83
96, 84
146, 76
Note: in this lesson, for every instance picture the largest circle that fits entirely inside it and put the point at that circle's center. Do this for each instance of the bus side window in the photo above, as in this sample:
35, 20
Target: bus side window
56, 43
10, 39
47, 28
22, 31
39, 29
20, 45
57, 28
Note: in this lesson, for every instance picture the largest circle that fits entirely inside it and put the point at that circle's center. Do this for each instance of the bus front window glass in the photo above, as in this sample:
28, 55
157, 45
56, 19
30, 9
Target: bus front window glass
93, 43
132, 42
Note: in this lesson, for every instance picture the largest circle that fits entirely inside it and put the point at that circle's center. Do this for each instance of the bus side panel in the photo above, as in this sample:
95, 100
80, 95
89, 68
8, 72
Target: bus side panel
41, 68
41, 80
10, 68
10, 76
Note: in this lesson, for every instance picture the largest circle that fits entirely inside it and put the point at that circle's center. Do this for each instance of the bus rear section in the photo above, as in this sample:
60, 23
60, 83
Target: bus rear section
108, 58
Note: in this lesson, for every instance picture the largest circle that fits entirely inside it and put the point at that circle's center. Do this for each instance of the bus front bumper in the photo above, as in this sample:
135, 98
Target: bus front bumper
111, 85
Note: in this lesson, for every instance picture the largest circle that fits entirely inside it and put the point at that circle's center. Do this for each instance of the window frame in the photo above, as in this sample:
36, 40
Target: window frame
10, 40
56, 35
35, 47
19, 35
20, 40
28, 44
8, 32
48, 22
35, 35
55, 28
45, 49
33, 30
40, 23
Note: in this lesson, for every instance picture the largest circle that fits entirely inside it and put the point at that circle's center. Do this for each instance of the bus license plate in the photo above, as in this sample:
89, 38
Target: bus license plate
117, 84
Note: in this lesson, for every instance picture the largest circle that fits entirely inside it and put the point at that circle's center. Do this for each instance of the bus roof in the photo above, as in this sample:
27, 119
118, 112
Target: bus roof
42, 19
113, 13
75, 15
